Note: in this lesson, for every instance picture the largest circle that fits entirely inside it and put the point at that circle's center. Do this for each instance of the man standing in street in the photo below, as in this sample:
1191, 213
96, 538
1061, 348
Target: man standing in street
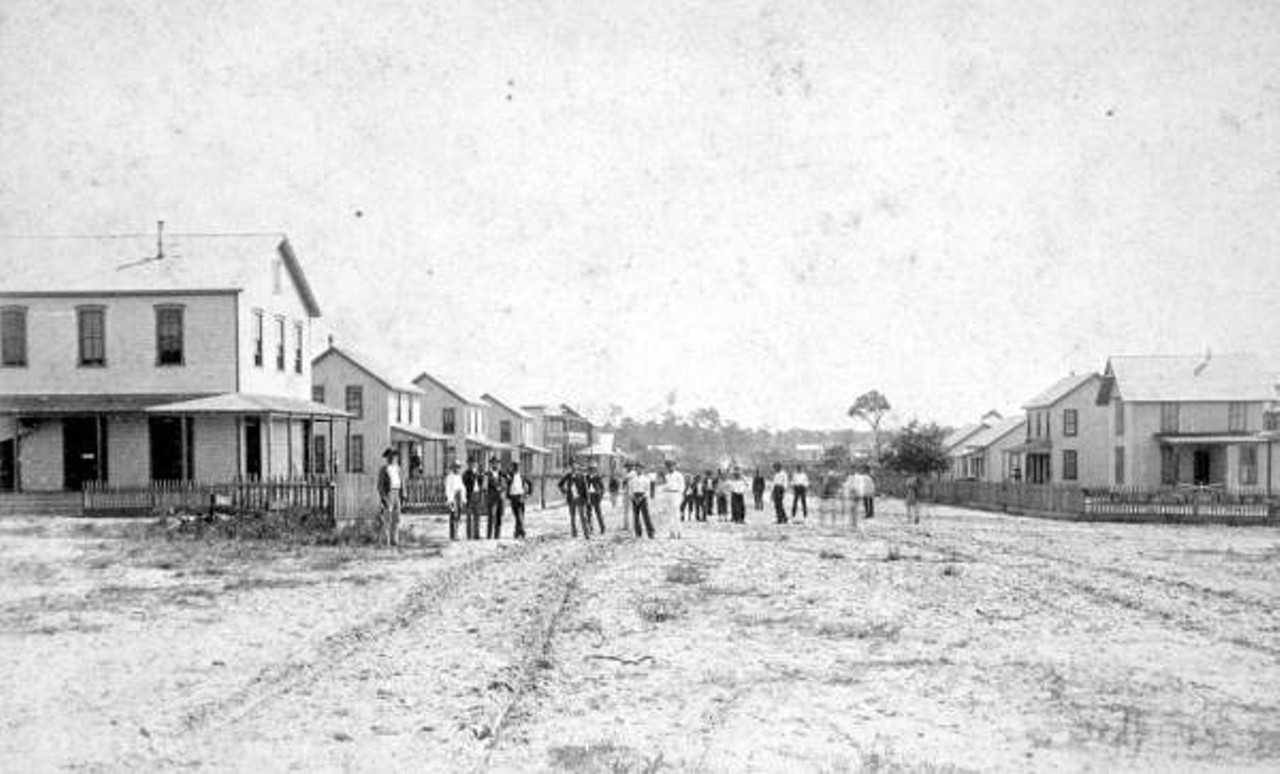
495, 489
864, 488
573, 485
757, 489
518, 488
471, 481
737, 497
672, 493
595, 494
455, 494
799, 492
779, 492
390, 482
637, 485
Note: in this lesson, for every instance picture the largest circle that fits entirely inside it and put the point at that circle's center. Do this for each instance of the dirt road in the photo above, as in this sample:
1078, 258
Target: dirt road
971, 642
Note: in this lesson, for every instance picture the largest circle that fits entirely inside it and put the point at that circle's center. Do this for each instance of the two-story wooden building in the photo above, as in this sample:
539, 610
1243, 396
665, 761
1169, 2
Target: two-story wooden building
561, 430
512, 430
1179, 420
1066, 439
130, 359
462, 417
386, 413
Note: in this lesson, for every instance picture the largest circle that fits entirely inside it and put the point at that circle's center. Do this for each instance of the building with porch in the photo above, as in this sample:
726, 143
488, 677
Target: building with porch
953, 446
1067, 439
511, 430
563, 431
385, 412
1189, 420
986, 455
131, 359
461, 416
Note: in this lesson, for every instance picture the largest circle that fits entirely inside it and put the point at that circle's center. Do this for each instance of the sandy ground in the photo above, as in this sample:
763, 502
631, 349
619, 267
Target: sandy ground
972, 642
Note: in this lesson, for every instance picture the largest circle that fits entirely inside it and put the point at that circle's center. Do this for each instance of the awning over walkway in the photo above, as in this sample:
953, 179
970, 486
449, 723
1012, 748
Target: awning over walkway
535, 449
35, 405
1037, 446
1209, 440
408, 433
249, 403
481, 441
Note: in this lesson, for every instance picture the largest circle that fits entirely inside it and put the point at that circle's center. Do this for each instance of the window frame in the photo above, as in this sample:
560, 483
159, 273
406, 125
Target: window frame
504, 430
448, 420
259, 336
1248, 473
1118, 470
1070, 465
317, 393
280, 342
358, 391
161, 311
1168, 466
1070, 422
355, 453
1170, 416
297, 347
1237, 417
20, 313
1118, 416
83, 313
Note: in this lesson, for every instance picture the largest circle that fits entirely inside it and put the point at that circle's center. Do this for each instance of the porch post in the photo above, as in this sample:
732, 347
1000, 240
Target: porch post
346, 449
100, 469
182, 434
288, 440
239, 446
270, 442
17, 452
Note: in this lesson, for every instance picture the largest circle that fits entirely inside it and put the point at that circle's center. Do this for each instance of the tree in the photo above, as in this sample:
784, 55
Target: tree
917, 448
871, 407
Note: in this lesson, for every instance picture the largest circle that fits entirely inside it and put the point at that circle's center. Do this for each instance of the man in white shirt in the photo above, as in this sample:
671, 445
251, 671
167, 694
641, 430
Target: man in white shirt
637, 485
737, 497
517, 489
799, 493
455, 494
390, 483
779, 492
672, 493
864, 488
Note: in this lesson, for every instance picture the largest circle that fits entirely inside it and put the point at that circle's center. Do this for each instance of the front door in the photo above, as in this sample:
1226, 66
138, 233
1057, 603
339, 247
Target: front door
1201, 466
82, 452
8, 465
171, 448
252, 448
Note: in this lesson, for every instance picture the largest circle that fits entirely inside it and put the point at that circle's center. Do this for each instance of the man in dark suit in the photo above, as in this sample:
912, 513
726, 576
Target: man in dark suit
472, 481
595, 494
573, 485
518, 488
495, 489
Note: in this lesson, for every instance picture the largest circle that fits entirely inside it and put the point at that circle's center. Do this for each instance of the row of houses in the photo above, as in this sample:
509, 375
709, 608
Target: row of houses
131, 359
1144, 422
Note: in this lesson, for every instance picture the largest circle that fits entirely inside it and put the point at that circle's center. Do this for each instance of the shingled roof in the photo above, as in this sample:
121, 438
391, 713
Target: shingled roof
1157, 378
129, 264
1059, 390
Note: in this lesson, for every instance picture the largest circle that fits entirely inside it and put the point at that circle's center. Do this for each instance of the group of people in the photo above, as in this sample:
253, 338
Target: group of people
667, 498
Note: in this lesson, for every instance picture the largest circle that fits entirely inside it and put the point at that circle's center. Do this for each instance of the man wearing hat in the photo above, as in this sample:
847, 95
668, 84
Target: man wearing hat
455, 494
672, 492
495, 490
390, 482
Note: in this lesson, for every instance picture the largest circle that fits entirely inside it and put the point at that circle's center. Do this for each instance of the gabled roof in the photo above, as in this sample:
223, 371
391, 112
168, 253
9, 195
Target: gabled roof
509, 408
128, 264
372, 370
427, 378
990, 435
1059, 390
960, 434
1151, 378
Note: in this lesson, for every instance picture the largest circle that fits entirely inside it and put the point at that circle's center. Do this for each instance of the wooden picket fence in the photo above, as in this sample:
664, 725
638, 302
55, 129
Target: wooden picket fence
313, 495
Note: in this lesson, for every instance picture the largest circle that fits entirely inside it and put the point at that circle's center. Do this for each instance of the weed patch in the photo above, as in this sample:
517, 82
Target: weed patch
848, 630
603, 756
685, 572
659, 609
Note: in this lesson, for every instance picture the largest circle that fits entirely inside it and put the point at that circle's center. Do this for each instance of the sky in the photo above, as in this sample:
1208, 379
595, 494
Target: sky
769, 207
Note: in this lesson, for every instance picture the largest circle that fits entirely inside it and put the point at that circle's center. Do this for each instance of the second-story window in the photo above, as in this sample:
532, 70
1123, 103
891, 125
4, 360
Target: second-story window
1119, 404
448, 421
399, 408
258, 333
1070, 421
1237, 417
13, 336
504, 431
279, 343
169, 336
355, 401
1169, 417
297, 348
91, 330
317, 393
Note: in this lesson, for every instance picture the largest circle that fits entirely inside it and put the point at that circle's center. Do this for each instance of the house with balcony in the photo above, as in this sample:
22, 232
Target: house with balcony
1066, 434
563, 431
987, 455
511, 430
463, 417
1188, 420
132, 359
386, 413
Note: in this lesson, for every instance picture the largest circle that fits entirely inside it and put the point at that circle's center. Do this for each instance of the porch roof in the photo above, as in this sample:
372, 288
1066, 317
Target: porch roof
480, 440
1208, 439
1033, 446
120, 403
419, 434
249, 403
534, 448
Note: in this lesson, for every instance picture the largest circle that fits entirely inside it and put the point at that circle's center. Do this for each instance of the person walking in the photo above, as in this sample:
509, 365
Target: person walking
799, 492
672, 493
594, 485
518, 488
455, 494
737, 497
495, 488
390, 482
779, 493
864, 488
637, 485
913, 498
472, 481
757, 489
